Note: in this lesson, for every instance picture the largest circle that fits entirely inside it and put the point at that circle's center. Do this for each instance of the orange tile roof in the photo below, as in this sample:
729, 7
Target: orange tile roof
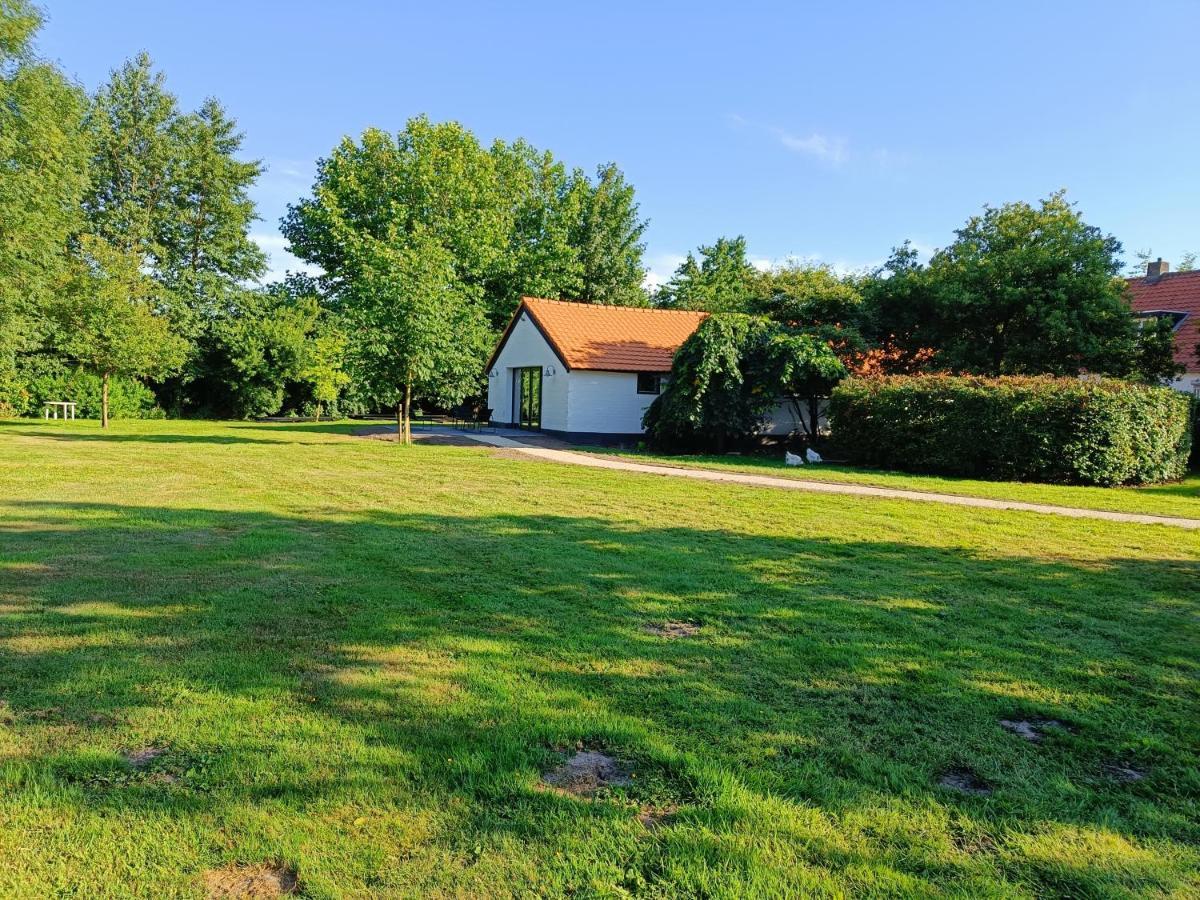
608, 338
1177, 292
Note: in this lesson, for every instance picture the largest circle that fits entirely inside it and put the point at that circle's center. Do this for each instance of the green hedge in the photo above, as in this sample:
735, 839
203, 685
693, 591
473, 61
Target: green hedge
1195, 460
1054, 430
41, 378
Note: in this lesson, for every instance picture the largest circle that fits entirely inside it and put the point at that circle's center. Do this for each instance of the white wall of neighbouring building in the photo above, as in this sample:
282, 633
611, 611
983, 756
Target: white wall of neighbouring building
1189, 383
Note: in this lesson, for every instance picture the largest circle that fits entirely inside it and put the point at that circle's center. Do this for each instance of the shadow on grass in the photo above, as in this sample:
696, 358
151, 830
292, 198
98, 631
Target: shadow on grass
830, 679
74, 434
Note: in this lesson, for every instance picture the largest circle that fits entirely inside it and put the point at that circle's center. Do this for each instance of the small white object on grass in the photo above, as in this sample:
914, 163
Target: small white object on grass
792, 459
812, 455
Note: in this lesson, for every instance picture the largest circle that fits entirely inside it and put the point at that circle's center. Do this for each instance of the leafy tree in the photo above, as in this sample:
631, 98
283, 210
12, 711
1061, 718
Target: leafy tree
408, 231
729, 375
419, 330
1031, 290
900, 321
607, 236
821, 314
135, 151
539, 259
1154, 351
204, 237
431, 177
43, 171
324, 363
107, 321
257, 350
570, 239
721, 280
171, 187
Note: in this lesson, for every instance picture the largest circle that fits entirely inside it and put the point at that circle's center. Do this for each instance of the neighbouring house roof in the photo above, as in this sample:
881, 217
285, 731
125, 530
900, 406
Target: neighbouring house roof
1176, 294
607, 338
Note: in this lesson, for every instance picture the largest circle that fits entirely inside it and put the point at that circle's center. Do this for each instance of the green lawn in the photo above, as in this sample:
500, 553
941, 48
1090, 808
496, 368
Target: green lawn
1177, 499
358, 659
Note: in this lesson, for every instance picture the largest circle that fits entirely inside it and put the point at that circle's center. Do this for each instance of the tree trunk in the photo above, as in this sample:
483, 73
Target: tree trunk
317, 417
399, 421
408, 413
814, 419
104, 400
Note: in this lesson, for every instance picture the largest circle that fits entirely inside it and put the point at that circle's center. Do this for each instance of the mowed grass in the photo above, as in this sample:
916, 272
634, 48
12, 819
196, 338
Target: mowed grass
1180, 499
358, 660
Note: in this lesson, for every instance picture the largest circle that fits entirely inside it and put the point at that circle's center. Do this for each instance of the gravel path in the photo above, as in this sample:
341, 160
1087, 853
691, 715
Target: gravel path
574, 458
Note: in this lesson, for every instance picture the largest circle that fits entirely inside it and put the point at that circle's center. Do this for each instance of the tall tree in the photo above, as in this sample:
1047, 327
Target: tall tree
107, 318
431, 177
43, 171
815, 307
1032, 289
171, 187
135, 151
607, 236
540, 259
721, 280
206, 250
420, 330
408, 231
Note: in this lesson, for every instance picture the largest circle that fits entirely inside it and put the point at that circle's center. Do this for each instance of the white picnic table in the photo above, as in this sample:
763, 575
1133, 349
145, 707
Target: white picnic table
68, 409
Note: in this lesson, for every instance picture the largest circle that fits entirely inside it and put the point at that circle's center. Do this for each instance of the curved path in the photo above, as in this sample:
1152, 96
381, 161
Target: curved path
575, 458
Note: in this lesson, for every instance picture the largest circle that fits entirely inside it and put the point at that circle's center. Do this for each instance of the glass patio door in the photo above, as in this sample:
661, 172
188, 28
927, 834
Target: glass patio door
527, 397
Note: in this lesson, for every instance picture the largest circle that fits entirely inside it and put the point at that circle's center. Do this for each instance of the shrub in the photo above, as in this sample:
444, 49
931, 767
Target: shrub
42, 378
728, 376
1194, 462
1055, 430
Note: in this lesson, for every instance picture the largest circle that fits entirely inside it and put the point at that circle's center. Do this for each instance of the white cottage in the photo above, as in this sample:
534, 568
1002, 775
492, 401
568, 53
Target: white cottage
582, 371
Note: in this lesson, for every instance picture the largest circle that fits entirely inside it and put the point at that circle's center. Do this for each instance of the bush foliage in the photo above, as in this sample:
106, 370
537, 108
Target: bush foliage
1194, 462
42, 378
727, 378
1054, 430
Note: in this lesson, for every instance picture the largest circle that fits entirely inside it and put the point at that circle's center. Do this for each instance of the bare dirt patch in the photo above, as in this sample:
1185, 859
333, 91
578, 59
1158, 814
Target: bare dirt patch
1123, 772
436, 439
964, 781
655, 817
1033, 730
672, 629
586, 772
509, 453
139, 759
256, 881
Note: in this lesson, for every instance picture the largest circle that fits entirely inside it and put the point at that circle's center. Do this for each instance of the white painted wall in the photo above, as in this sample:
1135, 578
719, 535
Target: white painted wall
606, 402
784, 419
527, 347
1189, 383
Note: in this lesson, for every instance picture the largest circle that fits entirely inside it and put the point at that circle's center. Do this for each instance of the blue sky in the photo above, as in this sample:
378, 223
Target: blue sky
831, 131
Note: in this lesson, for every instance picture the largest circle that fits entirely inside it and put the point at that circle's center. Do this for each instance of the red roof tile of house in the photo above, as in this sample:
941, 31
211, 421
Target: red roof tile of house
1175, 292
608, 338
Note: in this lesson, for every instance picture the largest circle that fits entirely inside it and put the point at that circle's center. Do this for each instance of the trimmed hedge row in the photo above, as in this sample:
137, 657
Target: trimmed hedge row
1054, 430
1195, 460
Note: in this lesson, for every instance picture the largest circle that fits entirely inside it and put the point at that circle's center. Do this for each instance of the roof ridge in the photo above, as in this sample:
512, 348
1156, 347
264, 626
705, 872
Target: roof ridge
585, 303
1154, 279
